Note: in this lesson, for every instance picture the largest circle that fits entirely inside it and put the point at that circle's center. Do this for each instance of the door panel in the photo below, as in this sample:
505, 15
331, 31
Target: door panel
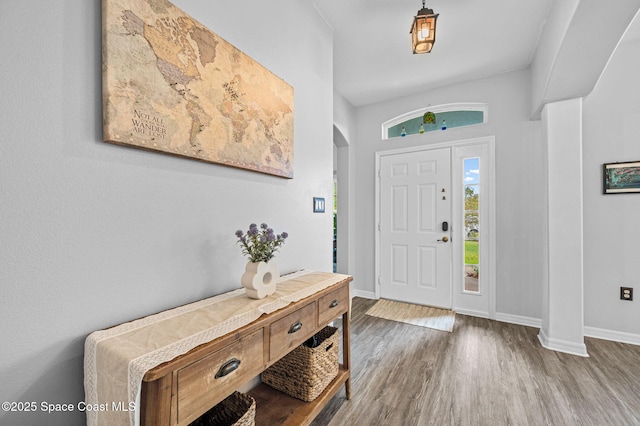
427, 267
399, 205
415, 262
427, 207
400, 265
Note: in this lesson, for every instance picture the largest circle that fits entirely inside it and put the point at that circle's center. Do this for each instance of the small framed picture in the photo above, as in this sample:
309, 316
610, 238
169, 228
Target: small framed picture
318, 205
621, 178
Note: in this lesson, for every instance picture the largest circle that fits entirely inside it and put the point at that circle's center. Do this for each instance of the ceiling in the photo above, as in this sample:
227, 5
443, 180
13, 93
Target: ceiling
372, 56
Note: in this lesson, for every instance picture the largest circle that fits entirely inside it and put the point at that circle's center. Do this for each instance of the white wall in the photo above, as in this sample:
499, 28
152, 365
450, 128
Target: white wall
520, 187
344, 123
95, 234
550, 43
570, 55
611, 123
344, 118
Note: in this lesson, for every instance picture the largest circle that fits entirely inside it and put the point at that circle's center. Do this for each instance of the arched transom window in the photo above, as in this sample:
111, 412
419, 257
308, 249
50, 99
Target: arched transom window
432, 118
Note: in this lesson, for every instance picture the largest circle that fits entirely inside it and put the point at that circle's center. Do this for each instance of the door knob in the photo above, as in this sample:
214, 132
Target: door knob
444, 239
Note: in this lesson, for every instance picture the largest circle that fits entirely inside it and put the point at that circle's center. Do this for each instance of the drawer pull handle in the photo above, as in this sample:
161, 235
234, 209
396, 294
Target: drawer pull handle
228, 367
296, 326
334, 303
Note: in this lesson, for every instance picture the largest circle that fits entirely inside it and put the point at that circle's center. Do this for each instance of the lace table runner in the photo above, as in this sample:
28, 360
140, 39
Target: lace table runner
116, 359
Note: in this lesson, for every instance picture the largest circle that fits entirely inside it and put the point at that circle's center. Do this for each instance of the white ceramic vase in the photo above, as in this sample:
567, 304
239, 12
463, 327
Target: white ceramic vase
260, 278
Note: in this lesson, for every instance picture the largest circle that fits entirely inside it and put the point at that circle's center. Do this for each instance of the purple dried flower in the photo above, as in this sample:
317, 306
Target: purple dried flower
260, 244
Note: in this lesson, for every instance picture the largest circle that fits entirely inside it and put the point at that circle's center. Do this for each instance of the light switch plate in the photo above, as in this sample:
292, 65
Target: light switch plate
318, 205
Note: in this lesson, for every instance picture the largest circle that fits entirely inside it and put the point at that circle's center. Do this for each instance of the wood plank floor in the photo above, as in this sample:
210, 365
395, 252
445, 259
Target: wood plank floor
484, 373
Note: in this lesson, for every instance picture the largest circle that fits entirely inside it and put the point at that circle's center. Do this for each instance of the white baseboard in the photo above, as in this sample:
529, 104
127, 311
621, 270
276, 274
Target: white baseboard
616, 336
519, 320
364, 294
471, 313
572, 348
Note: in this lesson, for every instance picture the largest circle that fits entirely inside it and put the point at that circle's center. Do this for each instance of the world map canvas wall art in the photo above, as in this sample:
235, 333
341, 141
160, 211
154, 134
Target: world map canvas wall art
171, 85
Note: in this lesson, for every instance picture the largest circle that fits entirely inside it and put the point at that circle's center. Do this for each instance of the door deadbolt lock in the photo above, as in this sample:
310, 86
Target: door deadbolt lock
444, 239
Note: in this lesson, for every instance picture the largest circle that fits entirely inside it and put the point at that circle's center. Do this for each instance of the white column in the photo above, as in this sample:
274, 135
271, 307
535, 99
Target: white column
563, 316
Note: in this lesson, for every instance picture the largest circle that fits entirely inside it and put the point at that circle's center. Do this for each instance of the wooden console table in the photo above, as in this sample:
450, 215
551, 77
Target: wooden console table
179, 391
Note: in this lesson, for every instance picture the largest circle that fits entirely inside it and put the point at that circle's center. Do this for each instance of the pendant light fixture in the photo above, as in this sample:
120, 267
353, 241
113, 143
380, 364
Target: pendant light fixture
423, 30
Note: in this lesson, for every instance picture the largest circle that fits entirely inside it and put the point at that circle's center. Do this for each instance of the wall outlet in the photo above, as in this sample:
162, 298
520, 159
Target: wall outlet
626, 293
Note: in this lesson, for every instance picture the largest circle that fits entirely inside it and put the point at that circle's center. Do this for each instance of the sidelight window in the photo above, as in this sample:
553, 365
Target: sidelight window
471, 182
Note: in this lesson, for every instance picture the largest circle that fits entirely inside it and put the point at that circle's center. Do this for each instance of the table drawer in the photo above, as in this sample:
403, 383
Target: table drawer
290, 331
208, 381
332, 305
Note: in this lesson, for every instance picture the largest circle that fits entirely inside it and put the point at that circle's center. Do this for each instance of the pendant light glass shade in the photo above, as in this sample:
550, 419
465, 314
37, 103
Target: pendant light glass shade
423, 30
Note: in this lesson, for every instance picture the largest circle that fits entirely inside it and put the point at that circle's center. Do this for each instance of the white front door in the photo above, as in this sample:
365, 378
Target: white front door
415, 224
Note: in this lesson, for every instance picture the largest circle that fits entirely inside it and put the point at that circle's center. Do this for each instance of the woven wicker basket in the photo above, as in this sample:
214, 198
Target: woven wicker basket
305, 372
237, 409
